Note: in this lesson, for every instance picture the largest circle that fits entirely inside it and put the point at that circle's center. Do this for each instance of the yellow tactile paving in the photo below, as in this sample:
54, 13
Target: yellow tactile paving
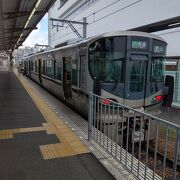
49, 128
69, 144
30, 129
8, 133
72, 139
51, 151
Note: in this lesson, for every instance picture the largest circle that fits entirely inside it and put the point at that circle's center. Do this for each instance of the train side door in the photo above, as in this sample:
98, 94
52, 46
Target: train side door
136, 74
82, 76
67, 80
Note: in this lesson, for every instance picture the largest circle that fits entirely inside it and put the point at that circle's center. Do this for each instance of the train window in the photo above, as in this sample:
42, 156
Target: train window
67, 68
26, 65
57, 70
44, 68
74, 72
137, 75
106, 58
31, 63
35, 66
49, 68
157, 69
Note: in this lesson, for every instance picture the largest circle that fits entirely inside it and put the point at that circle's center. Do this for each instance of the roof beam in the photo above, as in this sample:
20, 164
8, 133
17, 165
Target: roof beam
19, 29
14, 37
160, 25
12, 15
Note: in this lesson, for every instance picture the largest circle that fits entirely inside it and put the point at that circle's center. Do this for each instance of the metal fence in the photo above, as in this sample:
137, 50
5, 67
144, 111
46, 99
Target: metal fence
145, 145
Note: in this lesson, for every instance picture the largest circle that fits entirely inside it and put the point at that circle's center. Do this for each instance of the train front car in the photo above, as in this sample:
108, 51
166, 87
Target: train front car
127, 67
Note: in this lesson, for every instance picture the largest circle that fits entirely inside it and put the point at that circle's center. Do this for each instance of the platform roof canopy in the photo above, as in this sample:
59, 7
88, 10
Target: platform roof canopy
160, 25
17, 20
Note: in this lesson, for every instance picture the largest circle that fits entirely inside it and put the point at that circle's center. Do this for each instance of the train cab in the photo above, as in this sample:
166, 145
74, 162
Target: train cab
129, 69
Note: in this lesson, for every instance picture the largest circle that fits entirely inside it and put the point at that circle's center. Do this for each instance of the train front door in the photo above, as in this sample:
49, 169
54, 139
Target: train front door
136, 77
67, 77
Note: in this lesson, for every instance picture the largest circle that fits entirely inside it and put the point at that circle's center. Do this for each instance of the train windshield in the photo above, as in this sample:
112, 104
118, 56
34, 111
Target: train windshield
137, 75
157, 69
106, 57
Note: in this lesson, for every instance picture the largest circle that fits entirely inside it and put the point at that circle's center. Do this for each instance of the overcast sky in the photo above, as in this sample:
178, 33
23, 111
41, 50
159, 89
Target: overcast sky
39, 36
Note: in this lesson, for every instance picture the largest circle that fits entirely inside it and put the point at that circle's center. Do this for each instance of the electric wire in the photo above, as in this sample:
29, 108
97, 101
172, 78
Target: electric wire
132, 4
96, 11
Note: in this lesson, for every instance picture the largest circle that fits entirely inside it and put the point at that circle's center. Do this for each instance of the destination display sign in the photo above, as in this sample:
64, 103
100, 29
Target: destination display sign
159, 49
136, 44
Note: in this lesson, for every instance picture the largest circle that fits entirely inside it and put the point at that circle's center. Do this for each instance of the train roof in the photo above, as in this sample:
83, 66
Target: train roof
128, 33
94, 38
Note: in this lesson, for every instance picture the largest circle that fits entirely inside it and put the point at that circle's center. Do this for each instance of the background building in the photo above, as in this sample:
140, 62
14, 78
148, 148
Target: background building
111, 15
4, 61
18, 54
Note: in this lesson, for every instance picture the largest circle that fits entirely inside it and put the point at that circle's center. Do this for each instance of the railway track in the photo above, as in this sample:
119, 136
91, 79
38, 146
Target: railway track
159, 162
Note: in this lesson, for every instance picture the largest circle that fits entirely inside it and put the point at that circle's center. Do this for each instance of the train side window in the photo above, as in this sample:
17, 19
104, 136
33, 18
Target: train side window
31, 63
67, 68
57, 70
49, 68
74, 72
26, 65
44, 68
35, 67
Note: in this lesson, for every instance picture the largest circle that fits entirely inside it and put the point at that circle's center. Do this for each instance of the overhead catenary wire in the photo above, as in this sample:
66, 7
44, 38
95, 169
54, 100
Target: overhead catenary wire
117, 11
106, 16
95, 11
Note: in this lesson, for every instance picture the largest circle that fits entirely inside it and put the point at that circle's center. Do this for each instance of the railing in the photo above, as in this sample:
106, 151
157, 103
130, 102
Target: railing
145, 145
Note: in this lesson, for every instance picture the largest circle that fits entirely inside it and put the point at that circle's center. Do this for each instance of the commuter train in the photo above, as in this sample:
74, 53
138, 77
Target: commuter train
125, 66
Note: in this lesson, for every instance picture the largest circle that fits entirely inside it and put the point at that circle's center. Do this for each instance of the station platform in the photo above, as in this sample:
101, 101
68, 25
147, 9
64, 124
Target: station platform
35, 142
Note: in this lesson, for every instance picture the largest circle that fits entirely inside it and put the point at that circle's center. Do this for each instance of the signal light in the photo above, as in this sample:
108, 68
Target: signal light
158, 98
105, 101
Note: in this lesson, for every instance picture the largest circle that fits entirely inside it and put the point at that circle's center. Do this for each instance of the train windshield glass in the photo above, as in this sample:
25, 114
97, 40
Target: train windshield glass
157, 69
106, 58
137, 75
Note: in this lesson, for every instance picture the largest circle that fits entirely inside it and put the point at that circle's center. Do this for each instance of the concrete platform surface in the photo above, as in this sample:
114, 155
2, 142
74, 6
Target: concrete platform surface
35, 144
